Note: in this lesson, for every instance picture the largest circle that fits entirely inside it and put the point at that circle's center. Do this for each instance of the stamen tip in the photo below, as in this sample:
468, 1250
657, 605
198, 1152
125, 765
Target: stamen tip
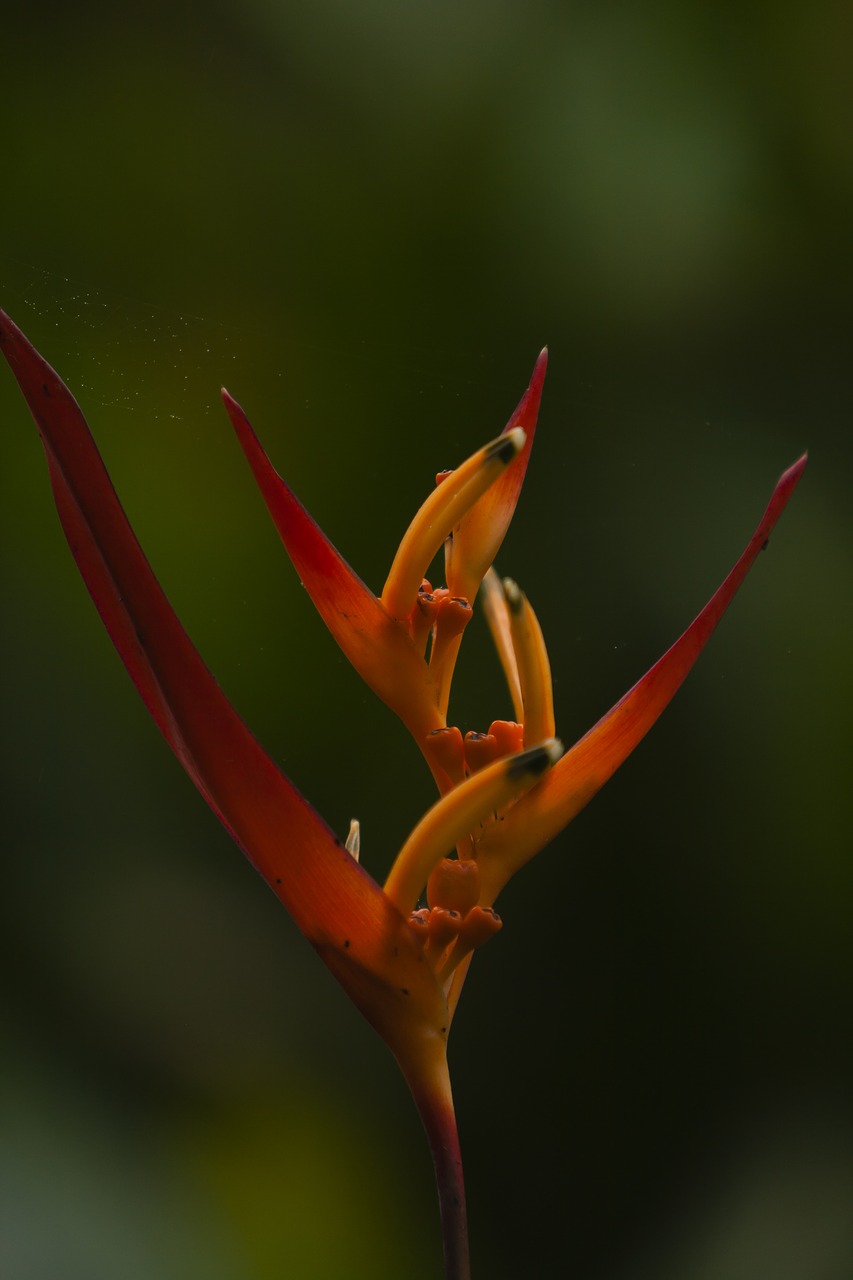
513, 595
353, 840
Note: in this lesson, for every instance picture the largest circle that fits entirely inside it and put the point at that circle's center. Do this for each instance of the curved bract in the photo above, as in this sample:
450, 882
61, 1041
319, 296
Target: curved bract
586, 766
380, 649
332, 899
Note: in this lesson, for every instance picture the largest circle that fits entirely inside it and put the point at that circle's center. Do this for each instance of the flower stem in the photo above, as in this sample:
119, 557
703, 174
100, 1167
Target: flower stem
434, 1101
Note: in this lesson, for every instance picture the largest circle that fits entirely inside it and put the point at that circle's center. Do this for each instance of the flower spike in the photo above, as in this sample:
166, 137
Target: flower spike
586, 766
503, 794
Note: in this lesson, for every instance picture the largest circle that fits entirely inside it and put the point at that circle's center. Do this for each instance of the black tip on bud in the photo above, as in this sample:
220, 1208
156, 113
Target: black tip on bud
536, 760
513, 596
508, 446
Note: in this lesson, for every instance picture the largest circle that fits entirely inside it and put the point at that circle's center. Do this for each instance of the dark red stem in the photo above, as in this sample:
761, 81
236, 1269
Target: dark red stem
434, 1101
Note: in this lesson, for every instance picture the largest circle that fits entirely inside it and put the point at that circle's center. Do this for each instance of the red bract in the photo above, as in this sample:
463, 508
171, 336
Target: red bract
504, 793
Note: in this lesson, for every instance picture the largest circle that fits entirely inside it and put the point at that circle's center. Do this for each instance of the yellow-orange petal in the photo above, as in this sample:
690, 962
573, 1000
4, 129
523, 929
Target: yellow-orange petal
442, 512
496, 614
584, 769
459, 813
534, 670
451, 620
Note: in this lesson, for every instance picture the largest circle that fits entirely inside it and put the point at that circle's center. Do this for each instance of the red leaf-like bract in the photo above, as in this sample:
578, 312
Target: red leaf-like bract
331, 898
586, 766
375, 643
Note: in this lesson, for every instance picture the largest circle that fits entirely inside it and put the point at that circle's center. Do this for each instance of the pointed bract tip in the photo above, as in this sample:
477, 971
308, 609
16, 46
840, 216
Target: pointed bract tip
537, 377
795, 470
785, 486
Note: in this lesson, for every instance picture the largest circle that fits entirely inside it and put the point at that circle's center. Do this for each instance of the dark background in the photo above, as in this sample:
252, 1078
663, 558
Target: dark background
366, 219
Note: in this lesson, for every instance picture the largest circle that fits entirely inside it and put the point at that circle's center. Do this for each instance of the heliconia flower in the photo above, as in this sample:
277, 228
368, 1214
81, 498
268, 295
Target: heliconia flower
503, 794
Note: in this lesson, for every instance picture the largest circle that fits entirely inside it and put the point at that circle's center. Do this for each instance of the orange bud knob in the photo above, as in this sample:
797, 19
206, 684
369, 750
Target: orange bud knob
454, 885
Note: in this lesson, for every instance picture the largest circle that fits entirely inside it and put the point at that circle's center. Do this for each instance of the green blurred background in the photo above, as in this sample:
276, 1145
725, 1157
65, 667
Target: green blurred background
366, 219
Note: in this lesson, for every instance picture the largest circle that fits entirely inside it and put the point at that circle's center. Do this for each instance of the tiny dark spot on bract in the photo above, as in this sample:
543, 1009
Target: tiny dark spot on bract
765, 544
45, 386
278, 879
346, 942
405, 990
